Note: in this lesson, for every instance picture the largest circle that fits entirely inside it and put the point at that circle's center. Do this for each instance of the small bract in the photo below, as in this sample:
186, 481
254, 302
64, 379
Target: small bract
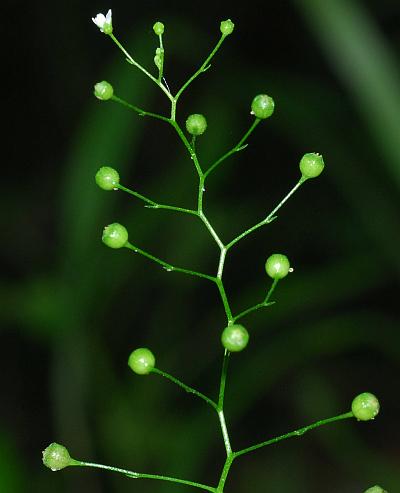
141, 361
107, 178
115, 235
56, 457
311, 165
196, 124
262, 106
365, 406
235, 338
103, 90
277, 266
227, 27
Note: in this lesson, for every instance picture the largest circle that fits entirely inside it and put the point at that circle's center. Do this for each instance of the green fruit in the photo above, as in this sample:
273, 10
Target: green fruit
158, 28
107, 178
235, 338
227, 27
311, 165
115, 235
277, 266
56, 457
103, 90
141, 361
196, 124
262, 106
365, 406
375, 489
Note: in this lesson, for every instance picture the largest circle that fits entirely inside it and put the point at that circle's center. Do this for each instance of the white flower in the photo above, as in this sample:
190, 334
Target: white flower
104, 23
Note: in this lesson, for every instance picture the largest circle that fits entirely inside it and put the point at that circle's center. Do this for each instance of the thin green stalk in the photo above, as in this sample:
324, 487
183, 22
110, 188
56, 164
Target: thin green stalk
202, 69
168, 267
139, 110
294, 433
225, 302
224, 473
189, 148
238, 147
242, 314
139, 475
270, 216
136, 64
220, 407
185, 387
155, 205
211, 229
161, 69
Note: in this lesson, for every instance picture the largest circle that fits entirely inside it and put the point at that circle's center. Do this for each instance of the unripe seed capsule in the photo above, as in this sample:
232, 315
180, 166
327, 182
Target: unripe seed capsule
262, 106
141, 361
56, 457
375, 489
227, 27
107, 178
115, 235
158, 28
103, 90
277, 266
365, 406
235, 338
196, 124
311, 165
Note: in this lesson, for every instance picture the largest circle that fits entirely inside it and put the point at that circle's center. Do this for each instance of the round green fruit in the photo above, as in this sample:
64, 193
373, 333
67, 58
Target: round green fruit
158, 28
56, 457
107, 178
141, 361
365, 406
196, 124
115, 235
311, 165
103, 90
262, 106
235, 338
277, 266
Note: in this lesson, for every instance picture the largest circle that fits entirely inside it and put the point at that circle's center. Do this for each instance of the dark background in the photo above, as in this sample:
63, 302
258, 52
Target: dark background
72, 310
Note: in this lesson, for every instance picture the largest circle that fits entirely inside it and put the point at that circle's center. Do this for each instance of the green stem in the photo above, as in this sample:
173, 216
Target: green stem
238, 147
137, 65
161, 70
211, 230
185, 387
189, 148
139, 110
242, 314
138, 475
294, 433
168, 267
203, 68
220, 407
155, 205
224, 473
224, 298
270, 216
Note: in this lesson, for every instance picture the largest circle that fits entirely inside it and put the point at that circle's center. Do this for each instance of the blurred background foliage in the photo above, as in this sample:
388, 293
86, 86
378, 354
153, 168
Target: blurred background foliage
72, 310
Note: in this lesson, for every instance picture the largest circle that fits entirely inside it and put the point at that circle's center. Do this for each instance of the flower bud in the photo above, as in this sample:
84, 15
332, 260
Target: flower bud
115, 235
107, 178
227, 27
375, 489
158, 28
365, 406
262, 106
56, 457
141, 361
196, 124
311, 165
103, 90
